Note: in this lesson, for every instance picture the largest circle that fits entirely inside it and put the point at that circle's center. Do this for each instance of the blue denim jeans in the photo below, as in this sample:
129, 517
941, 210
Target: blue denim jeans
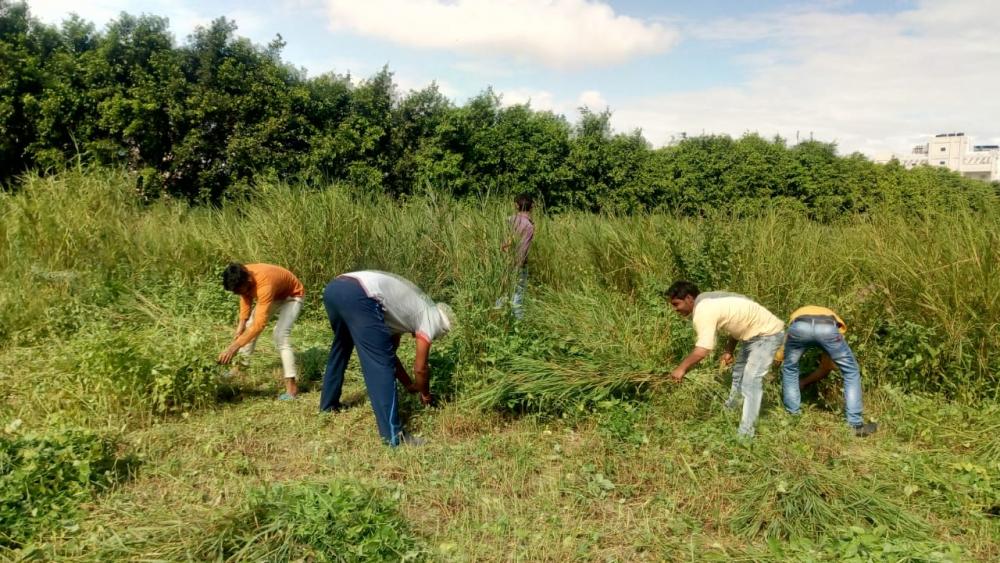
752, 363
517, 299
517, 302
804, 333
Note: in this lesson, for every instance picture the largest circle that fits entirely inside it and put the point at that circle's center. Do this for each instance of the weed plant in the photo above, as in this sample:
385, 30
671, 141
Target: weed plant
45, 476
323, 522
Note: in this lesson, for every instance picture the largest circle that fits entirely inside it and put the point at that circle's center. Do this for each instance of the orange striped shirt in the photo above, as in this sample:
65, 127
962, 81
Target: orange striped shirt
268, 284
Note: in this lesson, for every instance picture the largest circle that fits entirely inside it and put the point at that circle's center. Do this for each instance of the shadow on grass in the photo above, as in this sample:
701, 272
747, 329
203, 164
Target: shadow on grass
125, 468
235, 393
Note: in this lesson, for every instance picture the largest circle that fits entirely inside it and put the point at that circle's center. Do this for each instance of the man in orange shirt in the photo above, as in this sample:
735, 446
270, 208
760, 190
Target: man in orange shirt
278, 293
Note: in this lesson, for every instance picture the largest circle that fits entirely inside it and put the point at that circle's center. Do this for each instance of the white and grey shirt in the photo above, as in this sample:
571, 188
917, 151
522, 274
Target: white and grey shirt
407, 308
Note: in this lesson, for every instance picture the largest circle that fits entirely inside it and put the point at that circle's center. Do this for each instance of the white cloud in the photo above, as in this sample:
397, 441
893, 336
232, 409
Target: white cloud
593, 100
99, 12
406, 83
555, 33
489, 69
542, 100
183, 17
870, 82
251, 24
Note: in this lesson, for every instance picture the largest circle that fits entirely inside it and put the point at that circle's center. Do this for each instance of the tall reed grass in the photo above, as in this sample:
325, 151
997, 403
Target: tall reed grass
79, 254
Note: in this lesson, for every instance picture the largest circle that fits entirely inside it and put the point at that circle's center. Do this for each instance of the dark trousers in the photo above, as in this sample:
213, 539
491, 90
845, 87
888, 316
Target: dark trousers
359, 322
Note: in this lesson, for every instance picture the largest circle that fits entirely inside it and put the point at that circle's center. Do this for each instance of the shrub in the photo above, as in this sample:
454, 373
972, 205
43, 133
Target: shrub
336, 521
156, 370
45, 477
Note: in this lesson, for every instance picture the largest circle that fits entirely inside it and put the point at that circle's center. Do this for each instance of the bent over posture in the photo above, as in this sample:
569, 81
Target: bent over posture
370, 310
745, 322
821, 327
277, 292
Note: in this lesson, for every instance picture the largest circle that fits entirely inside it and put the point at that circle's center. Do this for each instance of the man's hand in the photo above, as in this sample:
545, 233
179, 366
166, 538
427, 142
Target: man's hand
726, 360
426, 399
227, 355
696, 355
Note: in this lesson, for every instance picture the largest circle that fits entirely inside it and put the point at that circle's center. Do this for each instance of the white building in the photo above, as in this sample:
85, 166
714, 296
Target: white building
952, 150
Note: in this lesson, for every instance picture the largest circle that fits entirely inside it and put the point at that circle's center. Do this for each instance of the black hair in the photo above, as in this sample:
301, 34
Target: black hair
524, 202
680, 289
235, 276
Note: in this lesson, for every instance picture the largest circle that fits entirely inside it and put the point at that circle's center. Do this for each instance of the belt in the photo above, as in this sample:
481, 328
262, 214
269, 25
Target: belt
817, 319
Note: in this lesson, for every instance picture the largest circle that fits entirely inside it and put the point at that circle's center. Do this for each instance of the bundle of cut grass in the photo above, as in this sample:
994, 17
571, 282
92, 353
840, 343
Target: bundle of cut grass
810, 500
337, 521
530, 384
548, 386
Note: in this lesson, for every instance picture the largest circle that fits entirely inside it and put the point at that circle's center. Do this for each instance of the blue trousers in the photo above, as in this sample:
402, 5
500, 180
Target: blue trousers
358, 321
807, 332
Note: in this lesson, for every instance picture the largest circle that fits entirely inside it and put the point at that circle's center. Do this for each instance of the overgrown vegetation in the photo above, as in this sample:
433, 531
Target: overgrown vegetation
216, 117
558, 436
312, 521
45, 476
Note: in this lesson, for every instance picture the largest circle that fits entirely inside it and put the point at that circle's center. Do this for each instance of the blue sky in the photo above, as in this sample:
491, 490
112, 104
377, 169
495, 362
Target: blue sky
873, 76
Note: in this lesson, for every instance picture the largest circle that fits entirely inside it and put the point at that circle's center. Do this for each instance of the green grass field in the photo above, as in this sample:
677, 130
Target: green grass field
557, 438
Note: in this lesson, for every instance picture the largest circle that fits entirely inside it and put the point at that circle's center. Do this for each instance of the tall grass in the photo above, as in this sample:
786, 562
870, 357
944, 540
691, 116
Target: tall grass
79, 255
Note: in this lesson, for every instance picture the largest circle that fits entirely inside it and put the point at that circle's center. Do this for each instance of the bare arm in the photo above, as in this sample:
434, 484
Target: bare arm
826, 366
241, 321
696, 355
246, 334
422, 370
727, 354
401, 374
404, 377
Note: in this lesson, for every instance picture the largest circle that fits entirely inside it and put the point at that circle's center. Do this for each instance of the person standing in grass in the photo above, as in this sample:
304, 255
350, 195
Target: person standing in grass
370, 310
277, 292
821, 327
745, 322
522, 233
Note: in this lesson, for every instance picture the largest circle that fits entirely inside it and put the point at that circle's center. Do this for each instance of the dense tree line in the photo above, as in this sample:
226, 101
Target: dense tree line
211, 118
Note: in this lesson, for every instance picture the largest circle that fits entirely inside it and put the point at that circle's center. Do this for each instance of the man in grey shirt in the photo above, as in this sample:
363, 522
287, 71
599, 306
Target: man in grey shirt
370, 310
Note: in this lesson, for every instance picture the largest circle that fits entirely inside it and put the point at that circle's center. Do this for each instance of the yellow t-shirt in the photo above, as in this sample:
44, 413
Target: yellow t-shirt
736, 315
815, 310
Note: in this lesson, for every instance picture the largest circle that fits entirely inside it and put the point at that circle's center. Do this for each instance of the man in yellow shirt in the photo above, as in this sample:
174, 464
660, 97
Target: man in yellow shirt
745, 322
819, 326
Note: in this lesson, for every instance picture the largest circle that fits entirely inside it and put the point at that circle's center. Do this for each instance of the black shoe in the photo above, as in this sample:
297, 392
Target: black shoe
864, 430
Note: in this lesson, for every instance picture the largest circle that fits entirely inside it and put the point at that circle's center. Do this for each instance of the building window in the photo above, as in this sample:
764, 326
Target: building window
944, 149
942, 163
